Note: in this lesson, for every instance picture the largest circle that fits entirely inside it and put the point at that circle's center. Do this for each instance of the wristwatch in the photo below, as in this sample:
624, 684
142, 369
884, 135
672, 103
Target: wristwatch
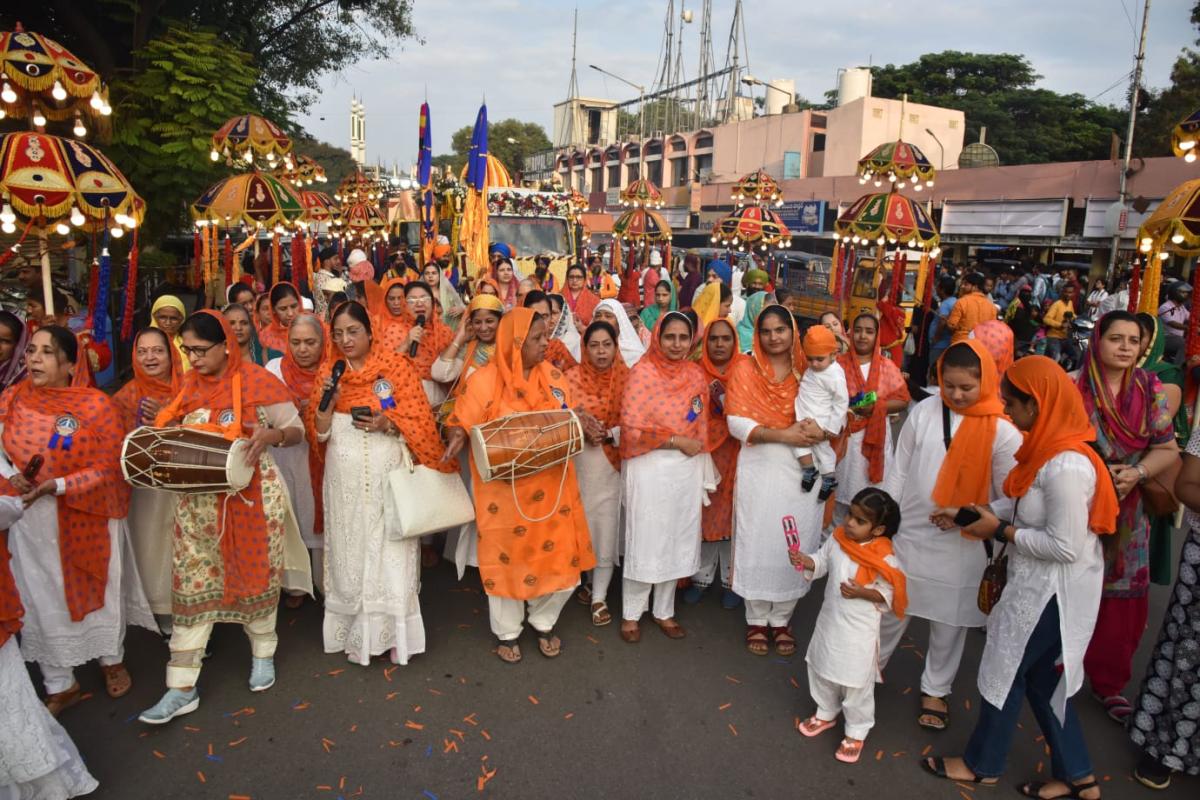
999, 534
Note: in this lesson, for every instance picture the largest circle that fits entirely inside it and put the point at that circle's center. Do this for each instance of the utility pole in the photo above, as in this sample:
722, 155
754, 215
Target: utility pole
1133, 103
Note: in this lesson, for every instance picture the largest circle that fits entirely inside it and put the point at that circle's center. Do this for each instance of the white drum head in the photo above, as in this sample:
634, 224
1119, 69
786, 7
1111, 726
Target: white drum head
480, 455
239, 473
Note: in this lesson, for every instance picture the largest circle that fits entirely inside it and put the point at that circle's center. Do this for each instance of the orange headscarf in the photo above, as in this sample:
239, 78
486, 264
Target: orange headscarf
437, 336
387, 329
966, 473
752, 390
78, 432
478, 354
718, 378
129, 398
302, 382
275, 335
870, 559
819, 341
388, 383
663, 398
997, 337
513, 385
1062, 425
885, 380
599, 393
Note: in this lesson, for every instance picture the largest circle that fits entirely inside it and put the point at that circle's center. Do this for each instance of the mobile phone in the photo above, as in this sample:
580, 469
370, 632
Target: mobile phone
966, 516
360, 413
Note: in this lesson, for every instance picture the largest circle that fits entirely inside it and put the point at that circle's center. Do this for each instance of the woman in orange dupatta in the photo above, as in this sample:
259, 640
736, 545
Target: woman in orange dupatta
285, 305
151, 511
767, 499
302, 467
868, 434
378, 418
1058, 504
598, 384
943, 568
229, 556
533, 535
579, 298
667, 472
70, 549
718, 357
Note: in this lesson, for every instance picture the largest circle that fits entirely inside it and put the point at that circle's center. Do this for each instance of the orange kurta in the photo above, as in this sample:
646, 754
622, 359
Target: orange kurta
522, 555
969, 311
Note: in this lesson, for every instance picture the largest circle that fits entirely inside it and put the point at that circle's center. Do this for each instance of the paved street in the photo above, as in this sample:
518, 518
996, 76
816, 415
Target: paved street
698, 718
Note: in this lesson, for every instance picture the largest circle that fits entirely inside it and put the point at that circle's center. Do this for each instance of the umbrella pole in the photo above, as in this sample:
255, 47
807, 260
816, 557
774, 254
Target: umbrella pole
47, 286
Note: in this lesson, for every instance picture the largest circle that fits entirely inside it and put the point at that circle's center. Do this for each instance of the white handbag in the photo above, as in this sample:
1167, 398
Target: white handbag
419, 500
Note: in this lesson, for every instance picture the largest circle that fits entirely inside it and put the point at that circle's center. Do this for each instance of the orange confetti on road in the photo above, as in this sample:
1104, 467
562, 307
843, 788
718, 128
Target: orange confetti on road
333, 673
722, 708
732, 679
593, 639
898, 753
300, 706
157, 754
459, 734
569, 715
210, 752
236, 742
1038, 770
450, 745
483, 732
927, 750
482, 780
324, 788
907, 689
240, 797
435, 692
533, 700
470, 719
190, 728
416, 726
794, 682
200, 777
392, 695
387, 673
967, 703
964, 795
732, 729
879, 755
327, 743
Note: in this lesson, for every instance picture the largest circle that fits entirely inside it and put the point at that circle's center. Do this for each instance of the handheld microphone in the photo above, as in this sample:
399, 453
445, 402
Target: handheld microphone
412, 348
339, 367
34, 466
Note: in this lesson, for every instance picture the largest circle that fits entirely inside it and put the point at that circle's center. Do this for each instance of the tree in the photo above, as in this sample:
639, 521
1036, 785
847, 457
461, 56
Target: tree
1166, 108
1025, 124
336, 160
509, 140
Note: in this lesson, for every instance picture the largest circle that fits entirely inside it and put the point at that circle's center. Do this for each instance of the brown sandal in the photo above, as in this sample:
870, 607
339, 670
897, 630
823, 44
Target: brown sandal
757, 639
785, 642
934, 719
549, 644
601, 616
60, 701
510, 647
631, 635
116, 680
671, 628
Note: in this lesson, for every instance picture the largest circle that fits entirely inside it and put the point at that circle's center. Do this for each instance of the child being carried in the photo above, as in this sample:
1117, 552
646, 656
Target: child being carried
824, 399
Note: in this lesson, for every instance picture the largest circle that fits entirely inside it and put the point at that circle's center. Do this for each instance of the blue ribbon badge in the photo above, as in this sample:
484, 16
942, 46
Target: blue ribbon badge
559, 395
383, 390
716, 398
694, 411
65, 428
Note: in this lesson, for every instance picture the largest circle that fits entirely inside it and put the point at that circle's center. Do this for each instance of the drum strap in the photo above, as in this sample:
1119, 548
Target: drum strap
562, 482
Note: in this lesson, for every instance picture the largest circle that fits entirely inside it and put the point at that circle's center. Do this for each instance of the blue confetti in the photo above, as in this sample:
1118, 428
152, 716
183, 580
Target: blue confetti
430, 795
218, 759
429, 751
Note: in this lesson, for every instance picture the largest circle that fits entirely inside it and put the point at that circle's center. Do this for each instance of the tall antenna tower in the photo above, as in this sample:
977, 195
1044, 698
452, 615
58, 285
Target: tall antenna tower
704, 89
733, 79
568, 135
663, 75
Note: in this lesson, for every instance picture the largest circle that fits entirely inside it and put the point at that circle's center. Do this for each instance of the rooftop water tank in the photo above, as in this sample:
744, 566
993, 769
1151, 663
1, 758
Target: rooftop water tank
854, 83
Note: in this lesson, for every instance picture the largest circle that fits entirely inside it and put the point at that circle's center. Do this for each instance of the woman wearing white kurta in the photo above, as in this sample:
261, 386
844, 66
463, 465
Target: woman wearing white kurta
869, 451
80, 586
1039, 630
664, 430
372, 576
597, 386
944, 568
37, 757
760, 411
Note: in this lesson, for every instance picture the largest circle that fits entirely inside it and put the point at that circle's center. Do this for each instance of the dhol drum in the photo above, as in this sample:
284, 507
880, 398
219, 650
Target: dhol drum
185, 460
524, 444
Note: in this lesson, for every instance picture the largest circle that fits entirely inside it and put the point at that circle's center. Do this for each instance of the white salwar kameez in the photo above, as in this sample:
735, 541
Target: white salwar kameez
853, 470
462, 545
38, 760
843, 654
601, 487
371, 580
151, 523
767, 490
1053, 555
943, 567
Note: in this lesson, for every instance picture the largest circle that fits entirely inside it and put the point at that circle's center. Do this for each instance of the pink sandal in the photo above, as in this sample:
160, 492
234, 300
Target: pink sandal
849, 751
814, 727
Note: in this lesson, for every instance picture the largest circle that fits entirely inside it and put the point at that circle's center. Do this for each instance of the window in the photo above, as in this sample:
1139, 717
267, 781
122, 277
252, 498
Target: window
654, 172
704, 140
679, 172
818, 142
593, 125
597, 178
614, 176
704, 164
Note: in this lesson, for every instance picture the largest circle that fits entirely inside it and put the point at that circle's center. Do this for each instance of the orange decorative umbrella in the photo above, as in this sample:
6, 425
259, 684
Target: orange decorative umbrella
38, 76
303, 172
361, 221
887, 218
898, 163
255, 199
758, 188
750, 227
641, 193
318, 206
248, 136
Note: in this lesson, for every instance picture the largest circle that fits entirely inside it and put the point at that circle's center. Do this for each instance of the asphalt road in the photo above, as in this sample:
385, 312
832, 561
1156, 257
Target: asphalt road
697, 718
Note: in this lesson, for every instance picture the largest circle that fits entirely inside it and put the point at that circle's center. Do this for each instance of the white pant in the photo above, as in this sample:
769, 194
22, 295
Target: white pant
858, 705
188, 643
942, 657
507, 614
714, 555
824, 459
59, 679
317, 558
770, 613
636, 597
601, 578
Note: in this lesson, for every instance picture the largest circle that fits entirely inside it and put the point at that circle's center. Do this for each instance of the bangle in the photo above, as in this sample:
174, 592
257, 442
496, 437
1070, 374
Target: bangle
671, 442
1143, 473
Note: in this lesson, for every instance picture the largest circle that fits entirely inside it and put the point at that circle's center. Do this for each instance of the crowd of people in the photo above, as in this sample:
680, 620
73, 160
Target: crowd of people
777, 439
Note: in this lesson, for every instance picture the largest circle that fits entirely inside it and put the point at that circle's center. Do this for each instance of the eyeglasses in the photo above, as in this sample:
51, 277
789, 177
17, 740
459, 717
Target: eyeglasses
196, 352
347, 333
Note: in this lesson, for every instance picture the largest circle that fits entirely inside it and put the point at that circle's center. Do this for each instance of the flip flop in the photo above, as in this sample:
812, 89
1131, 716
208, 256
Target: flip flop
942, 715
936, 766
849, 751
1074, 789
116, 680
814, 727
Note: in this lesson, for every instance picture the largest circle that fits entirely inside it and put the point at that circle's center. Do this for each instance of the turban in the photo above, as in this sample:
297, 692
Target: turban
755, 276
501, 248
327, 252
723, 270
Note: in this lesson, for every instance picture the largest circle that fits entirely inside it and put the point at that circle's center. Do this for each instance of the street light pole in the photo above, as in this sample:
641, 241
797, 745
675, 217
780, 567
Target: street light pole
641, 99
750, 80
941, 150
1133, 102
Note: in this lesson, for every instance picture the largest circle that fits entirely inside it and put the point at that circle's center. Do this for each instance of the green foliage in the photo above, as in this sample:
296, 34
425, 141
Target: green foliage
336, 160
509, 140
453, 161
1165, 108
1025, 124
166, 114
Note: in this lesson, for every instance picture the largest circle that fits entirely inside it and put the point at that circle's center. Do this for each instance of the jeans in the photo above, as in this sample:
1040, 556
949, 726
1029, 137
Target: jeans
1036, 679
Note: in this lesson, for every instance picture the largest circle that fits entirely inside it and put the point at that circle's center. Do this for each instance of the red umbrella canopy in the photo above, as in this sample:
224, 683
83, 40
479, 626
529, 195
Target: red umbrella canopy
641, 193
887, 218
318, 206
251, 198
247, 136
304, 171
361, 221
642, 225
757, 187
897, 162
357, 188
39, 74
752, 226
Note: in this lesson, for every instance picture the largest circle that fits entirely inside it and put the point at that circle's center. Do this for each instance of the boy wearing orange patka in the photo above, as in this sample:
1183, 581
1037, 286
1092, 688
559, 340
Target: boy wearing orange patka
824, 399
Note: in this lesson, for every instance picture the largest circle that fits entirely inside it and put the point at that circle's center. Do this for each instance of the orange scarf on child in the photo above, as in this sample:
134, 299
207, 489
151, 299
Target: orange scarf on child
871, 564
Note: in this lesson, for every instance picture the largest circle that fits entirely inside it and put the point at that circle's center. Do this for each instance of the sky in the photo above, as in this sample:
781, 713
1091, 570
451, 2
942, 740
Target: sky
517, 54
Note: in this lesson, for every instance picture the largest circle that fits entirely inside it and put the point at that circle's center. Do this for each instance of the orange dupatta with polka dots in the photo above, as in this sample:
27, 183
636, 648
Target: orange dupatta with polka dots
883, 378
78, 432
301, 383
752, 389
599, 393
239, 389
716, 518
129, 397
274, 335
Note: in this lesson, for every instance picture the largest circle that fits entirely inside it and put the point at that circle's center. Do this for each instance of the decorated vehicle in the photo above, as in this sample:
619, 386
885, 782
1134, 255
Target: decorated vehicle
535, 223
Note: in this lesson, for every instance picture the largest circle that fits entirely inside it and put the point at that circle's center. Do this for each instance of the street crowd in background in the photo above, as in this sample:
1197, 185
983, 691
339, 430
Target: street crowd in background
1031, 488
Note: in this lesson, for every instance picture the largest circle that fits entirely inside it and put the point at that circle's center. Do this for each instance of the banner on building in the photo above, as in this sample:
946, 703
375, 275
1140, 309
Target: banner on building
803, 216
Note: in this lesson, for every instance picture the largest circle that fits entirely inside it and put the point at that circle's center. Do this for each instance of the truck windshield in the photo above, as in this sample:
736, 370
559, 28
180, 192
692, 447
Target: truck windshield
530, 235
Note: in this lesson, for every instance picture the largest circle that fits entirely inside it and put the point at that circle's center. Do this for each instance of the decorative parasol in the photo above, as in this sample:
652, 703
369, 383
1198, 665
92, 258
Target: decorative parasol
1184, 137
750, 227
578, 202
319, 207
243, 137
255, 199
496, 174
887, 218
642, 225
357, 188
302, 172
758, 188
43, 80
1175, 224
897, 162
361, 221
641, 193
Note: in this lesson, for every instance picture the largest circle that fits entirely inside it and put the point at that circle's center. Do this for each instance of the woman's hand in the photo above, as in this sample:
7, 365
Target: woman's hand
804, 433
20, 483
688, 446
457, 311
457, 438
324, 419
414, 335
982, 528
149, 408
260, 440
1125, 478
376, 423
799, 559
43, 489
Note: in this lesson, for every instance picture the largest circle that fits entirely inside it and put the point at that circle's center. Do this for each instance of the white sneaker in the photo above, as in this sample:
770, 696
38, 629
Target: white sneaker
175, 703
